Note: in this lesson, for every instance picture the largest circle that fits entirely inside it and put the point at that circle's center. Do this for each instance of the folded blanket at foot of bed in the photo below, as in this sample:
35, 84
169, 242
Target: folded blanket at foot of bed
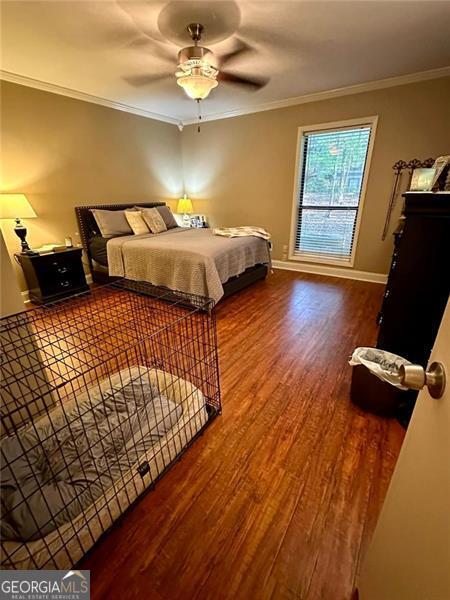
243, 231
54, 469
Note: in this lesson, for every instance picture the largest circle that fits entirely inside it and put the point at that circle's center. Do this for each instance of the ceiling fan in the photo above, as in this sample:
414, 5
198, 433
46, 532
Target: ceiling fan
198, 72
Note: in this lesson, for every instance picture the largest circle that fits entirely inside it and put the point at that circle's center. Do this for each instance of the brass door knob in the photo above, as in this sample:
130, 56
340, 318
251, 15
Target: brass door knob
414, 377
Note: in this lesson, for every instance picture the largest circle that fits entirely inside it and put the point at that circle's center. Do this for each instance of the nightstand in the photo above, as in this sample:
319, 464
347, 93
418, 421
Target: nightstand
54, 275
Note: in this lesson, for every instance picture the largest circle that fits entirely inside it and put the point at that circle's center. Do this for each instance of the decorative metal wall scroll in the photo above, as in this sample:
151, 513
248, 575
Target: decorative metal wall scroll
399, 167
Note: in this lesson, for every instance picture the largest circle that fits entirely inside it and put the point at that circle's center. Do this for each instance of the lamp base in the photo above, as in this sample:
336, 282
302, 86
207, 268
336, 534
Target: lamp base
29, 252
21, 232
186, 220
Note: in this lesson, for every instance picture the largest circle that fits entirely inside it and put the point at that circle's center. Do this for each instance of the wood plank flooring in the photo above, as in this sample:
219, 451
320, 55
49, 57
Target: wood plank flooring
280, 496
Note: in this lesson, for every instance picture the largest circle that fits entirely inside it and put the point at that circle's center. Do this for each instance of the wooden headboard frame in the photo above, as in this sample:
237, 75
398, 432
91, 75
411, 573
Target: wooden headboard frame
88, 226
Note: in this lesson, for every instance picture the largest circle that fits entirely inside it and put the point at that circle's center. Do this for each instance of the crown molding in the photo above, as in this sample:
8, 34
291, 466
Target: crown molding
328, 94
63, 91
315, 97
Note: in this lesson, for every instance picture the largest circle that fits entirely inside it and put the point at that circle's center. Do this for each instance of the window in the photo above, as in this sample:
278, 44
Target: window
332, 163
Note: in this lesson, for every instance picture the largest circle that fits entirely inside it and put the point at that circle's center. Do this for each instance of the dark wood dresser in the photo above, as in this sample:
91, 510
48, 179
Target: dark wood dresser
55, 275
414, 301
418, 285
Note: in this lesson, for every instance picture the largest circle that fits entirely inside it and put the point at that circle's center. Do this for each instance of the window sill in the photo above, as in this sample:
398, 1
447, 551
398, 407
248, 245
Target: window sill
322, 260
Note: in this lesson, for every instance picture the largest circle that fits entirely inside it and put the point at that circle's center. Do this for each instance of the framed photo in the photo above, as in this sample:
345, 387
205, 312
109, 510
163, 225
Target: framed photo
422, 180
198, 221
441, 165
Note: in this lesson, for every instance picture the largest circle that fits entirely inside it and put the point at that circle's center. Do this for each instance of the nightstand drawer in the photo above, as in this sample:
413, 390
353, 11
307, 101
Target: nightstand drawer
55, 268
59, 267
56, 284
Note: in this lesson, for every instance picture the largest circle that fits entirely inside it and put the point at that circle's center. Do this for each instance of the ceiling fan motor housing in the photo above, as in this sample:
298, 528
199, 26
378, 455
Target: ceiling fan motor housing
195, 53
196, 72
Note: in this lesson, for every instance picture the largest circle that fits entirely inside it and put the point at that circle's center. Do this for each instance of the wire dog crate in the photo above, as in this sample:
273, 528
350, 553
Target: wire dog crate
100, 394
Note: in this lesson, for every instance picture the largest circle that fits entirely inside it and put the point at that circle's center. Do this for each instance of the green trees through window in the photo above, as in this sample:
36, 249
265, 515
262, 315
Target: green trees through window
332, 165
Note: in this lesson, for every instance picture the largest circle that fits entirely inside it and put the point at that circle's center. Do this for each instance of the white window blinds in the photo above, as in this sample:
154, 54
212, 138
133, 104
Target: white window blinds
331, 174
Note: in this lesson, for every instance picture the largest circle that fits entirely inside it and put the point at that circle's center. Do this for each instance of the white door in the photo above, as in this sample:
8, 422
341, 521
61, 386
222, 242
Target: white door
409, 557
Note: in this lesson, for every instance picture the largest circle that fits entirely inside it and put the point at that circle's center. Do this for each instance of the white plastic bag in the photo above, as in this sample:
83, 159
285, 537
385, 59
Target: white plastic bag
384, 365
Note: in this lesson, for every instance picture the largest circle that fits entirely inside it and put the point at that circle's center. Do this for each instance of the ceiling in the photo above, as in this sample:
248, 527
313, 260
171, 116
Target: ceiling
304, 47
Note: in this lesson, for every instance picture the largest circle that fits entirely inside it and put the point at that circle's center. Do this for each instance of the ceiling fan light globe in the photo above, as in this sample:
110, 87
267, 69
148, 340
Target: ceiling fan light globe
197, 87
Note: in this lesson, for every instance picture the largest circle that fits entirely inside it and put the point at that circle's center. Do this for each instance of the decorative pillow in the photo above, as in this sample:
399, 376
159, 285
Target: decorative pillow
136, 222
167, 216
111, 222
154, 220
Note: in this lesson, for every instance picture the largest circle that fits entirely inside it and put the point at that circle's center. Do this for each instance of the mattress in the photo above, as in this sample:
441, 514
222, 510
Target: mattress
55, 468
97, 249
63, 547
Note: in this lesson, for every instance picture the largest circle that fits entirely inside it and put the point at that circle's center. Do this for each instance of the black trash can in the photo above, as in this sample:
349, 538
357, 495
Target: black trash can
367, 390
373, 395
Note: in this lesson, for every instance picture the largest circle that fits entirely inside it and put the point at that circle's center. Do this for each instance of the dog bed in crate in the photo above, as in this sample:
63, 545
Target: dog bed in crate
68, 476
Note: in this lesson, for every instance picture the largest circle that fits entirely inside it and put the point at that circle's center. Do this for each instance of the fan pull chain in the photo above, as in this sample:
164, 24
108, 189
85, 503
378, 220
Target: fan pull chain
199, 116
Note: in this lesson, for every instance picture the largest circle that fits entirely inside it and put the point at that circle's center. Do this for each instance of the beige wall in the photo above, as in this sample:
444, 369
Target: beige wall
241, 170
62, 152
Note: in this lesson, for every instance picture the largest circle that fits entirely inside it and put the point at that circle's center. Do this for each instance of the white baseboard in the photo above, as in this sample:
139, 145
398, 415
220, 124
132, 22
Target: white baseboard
330, 271
26, 294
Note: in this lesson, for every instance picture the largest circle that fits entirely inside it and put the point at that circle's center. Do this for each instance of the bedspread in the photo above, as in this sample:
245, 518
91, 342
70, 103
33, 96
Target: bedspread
194, 261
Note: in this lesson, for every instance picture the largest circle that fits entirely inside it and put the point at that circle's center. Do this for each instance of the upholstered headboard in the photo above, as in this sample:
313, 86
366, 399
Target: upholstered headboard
88, 226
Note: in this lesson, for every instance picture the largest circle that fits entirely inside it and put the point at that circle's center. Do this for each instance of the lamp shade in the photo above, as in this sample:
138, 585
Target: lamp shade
15, 206
185, 206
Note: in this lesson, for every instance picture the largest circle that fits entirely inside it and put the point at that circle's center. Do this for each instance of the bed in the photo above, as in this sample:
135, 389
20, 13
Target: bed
76, 525
219, 266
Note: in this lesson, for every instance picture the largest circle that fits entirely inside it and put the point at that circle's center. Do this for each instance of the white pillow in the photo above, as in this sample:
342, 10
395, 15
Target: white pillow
136, 222
154, 220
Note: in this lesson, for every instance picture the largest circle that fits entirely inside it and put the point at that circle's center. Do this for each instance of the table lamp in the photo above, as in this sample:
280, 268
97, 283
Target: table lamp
185, 207
16, 206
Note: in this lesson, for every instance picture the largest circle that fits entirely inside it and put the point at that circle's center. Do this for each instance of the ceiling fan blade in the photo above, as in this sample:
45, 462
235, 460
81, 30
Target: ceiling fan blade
144, 43
241, 49
255, 83
302, 44
141, 80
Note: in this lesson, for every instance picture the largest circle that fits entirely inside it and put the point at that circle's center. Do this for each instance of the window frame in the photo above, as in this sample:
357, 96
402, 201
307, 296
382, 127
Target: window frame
296, 255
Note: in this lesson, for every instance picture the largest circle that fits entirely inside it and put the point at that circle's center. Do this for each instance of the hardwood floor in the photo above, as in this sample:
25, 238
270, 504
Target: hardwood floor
280, 496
